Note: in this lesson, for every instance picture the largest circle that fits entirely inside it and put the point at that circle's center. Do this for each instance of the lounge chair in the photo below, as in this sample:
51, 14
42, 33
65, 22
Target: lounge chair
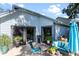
34, 50
62, 47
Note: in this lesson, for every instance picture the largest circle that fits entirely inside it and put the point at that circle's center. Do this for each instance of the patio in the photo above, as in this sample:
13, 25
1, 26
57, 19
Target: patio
25, 50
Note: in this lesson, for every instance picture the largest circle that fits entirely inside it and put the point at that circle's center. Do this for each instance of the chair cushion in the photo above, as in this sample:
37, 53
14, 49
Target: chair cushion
61, 45
36, 50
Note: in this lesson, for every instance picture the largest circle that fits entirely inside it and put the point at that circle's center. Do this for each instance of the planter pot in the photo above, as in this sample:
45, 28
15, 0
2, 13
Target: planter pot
4, 49
48, 42
0, 50
17, 44
22, 43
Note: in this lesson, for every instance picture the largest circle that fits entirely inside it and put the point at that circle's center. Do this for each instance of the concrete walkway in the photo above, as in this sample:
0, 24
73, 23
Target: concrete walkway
12, 52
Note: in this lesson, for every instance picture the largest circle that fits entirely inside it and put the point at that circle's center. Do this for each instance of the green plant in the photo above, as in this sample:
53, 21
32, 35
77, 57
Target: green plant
52, 49
5, 41
18, 38
49, 38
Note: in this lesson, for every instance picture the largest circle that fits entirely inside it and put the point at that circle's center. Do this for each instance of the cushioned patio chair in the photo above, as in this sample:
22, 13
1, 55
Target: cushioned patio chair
62, 47
34, 50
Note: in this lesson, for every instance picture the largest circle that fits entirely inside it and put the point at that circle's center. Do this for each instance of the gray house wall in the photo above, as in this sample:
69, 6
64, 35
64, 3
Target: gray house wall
61, 30
24, 19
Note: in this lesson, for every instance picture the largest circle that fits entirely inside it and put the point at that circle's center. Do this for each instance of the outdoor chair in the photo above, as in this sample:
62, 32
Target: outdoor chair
62, 47
34, 50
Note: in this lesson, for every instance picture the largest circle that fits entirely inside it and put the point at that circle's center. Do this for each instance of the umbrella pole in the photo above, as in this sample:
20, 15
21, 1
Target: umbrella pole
75, 54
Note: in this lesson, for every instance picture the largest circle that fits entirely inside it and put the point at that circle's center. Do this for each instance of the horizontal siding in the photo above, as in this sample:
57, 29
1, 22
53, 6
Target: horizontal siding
5, 28
24, 19
60, 31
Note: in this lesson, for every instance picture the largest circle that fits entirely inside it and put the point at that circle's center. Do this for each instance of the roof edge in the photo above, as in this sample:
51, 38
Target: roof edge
17, 7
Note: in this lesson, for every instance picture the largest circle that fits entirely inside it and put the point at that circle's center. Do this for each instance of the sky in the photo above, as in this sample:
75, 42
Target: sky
52, 10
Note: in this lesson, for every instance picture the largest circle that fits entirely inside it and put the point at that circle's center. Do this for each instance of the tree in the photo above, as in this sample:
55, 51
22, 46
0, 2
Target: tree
72, 10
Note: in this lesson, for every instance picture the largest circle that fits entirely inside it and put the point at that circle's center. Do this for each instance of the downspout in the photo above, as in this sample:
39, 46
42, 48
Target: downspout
54, 31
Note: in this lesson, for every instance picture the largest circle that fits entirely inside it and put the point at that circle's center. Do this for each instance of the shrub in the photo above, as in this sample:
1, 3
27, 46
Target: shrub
49, 38
18, 38
5, 41
52, 49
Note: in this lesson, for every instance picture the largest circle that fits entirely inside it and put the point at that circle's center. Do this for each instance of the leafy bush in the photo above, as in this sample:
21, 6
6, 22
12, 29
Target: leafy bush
49, 38
5, 43
52, 49
18, 38
4, 40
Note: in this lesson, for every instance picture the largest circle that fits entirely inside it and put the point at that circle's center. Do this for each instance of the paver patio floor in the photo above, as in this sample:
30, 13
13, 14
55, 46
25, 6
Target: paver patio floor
25, 50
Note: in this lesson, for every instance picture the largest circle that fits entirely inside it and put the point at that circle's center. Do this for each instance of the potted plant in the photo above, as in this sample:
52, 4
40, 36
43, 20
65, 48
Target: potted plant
52, 50
5, 43
17, 40
49, 39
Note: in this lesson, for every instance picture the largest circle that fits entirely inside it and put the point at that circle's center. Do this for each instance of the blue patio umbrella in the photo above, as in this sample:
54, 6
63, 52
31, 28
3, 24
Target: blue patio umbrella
73, 38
